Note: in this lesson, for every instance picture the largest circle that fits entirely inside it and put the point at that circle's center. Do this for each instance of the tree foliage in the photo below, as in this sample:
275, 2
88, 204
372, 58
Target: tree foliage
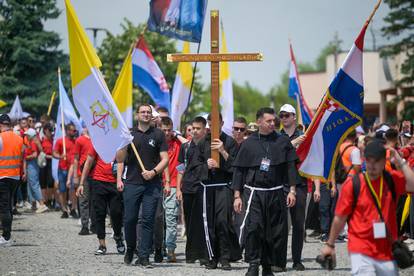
400, 29
29, 55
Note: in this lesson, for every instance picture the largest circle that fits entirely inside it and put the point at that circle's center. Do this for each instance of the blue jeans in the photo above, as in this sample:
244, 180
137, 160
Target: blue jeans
33, 185
171, 216
63, 178
135, 195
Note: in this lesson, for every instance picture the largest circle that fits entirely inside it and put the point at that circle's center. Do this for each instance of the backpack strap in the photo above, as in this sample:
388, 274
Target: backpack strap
356, 188
391, 185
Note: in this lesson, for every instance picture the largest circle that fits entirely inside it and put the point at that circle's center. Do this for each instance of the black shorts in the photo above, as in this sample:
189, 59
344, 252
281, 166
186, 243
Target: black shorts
45, 176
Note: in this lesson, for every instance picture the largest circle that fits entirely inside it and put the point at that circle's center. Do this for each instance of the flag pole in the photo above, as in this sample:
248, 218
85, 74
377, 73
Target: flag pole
326, 94
138, 157
51, 103
63, 121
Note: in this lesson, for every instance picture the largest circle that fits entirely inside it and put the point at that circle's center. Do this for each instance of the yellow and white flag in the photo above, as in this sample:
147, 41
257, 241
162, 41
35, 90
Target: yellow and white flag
91, 96
181, 90
122, 93
226, 90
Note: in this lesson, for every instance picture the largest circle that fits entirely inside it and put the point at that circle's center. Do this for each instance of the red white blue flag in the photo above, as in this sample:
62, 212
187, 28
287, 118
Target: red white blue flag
147, 75
295, 92
339, 113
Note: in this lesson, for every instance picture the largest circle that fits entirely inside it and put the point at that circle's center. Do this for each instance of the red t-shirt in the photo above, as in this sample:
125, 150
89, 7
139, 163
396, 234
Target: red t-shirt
360, 226
102, 171
173, 152
82, 146
31, 148
70, 146
47, 145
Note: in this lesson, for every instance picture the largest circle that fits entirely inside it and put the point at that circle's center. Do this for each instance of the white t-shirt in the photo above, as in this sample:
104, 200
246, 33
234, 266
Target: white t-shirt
356, 156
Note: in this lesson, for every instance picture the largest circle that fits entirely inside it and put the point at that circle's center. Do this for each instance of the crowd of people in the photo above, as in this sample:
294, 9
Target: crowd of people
245, 202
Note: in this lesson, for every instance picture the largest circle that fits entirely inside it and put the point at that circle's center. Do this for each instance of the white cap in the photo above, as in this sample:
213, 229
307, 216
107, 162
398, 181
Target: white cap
30, 132
38, 125
383, 128
287, 108
359, 129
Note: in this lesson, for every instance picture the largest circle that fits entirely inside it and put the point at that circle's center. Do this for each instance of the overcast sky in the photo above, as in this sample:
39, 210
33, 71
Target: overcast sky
250, 26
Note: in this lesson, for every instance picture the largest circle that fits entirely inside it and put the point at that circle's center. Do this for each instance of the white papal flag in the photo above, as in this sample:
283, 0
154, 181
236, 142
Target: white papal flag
91, 96
181, 90
226, 91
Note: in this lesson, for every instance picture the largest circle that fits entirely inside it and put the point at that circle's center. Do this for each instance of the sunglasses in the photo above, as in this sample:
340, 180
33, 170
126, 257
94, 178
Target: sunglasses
241, 129
284, 115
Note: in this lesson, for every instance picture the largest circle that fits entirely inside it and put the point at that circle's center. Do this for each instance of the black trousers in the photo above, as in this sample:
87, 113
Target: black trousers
297, 214
7, 189
105, 194
265, 232
195, 248
223, 238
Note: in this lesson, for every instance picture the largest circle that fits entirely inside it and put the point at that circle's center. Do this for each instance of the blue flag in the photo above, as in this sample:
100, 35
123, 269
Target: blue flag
179, 19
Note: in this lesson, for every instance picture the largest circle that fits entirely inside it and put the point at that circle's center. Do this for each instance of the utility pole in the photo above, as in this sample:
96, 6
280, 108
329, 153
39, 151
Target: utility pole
95, 33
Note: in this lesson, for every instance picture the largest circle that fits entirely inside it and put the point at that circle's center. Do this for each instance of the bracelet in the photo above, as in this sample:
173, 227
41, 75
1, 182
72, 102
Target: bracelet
236, 197
155, 171
330, 245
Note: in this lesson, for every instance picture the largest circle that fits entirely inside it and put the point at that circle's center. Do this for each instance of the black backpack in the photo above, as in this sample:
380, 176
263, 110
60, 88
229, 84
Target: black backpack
340, 173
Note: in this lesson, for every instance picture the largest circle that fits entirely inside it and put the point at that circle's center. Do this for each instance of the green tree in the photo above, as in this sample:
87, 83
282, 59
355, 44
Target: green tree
114, 49
29, 55
400, 28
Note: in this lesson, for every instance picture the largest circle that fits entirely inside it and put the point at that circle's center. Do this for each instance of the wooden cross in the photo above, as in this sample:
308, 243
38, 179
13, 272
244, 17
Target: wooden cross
215, 58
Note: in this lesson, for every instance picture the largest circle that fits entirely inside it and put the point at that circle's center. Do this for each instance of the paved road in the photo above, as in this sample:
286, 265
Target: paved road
48, 245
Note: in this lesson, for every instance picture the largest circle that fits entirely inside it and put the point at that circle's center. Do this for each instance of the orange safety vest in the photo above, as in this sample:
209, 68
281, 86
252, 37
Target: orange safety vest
11, 154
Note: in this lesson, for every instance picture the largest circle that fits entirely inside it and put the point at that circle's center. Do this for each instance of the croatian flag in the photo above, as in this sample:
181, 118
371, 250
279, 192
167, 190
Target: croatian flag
147, 75
295, 92
339, 113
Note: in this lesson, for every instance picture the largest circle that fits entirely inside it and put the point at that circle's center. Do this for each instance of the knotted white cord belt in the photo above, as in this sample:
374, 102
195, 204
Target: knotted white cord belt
206, 234
249, 202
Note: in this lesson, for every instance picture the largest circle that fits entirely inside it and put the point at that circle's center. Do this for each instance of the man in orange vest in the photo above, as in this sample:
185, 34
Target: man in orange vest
11, 149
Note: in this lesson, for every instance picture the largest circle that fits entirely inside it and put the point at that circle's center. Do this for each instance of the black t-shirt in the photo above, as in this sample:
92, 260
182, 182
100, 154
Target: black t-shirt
149, 144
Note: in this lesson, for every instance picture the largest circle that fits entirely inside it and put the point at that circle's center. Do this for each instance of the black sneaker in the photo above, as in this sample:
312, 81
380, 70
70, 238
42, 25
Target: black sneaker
73, 214
129, 255
225, 265
158, 257
314, 234
84, 231
101, 250
144, 263
120, 246
267, 270
211, 264
298, 267
64, 215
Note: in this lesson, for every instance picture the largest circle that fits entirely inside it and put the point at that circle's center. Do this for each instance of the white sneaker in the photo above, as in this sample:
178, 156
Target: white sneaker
27, 205
42, 208
20, 204
4, 242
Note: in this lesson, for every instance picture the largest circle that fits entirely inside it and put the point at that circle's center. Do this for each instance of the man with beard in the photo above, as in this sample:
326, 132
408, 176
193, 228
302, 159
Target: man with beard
265, 162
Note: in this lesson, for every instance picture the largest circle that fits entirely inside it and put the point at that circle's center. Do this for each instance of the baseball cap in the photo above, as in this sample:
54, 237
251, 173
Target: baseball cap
30, 132
5, 119
287, 108
375, 149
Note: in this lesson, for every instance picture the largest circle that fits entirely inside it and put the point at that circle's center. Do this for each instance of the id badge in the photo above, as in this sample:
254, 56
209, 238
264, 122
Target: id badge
264, 166
379, 230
